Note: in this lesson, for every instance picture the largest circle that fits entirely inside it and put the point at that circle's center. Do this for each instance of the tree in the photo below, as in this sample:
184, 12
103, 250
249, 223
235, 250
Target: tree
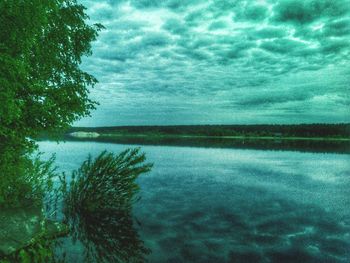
42, 87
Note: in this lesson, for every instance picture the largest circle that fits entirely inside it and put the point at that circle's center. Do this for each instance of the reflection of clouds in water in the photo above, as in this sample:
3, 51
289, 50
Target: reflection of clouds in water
198, 229
227, 205
249, 209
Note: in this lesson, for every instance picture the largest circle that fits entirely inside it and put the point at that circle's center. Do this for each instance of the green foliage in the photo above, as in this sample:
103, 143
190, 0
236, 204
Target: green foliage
106, 183
25, 179
42, 88
41, 85
98, 204
40, 251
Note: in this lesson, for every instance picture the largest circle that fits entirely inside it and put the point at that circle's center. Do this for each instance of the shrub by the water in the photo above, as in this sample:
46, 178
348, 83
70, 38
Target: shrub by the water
105, 183
97, 206
24, 180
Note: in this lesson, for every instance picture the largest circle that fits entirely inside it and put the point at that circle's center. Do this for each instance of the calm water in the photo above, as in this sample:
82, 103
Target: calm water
230, 205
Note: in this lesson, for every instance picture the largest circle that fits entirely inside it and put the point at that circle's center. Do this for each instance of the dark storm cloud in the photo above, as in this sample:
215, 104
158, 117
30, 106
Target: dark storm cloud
155, 39
252, 12
175, 5
175, 26
308, 11
268, 33
337, 28
217, 25
331, 46
222, 57
283, 46
268, 99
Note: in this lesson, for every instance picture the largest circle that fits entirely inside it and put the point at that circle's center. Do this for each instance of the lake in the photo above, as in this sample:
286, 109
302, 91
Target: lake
230, 205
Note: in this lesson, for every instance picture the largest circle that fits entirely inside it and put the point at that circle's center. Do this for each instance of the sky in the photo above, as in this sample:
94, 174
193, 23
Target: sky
166, 62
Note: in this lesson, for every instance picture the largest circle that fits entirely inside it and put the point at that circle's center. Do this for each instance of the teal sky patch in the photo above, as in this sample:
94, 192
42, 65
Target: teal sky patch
220, 62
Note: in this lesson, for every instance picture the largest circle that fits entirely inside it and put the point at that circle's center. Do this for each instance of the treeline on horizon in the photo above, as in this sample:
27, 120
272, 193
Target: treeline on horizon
341, 130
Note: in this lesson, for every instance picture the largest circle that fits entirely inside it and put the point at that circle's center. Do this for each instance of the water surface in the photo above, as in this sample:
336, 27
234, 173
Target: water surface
233, 205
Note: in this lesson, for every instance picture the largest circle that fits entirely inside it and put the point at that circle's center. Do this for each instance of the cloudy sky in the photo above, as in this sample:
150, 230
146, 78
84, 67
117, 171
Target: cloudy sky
220, 61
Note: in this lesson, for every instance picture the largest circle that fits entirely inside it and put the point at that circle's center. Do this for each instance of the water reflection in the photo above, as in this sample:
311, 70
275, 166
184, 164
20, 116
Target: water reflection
98, 202
241, 224
107, 237
229, 205
269, 234
286, 145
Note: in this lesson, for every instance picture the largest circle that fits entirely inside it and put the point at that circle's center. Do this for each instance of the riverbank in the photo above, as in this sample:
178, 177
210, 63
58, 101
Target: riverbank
325, 145
315, 132
154, 136
329, 138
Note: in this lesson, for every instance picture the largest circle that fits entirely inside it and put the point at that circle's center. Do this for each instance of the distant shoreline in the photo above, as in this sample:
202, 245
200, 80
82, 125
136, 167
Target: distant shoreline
294, 132
102, 135
325, 138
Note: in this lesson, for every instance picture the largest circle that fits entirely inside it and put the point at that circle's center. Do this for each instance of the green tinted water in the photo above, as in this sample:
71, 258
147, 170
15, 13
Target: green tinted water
225, 205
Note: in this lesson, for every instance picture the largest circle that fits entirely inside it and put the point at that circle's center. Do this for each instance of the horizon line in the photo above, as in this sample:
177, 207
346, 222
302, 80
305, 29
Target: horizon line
173, 125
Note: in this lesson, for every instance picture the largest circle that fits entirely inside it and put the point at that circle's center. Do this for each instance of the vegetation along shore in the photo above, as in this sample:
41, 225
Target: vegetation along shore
333, 132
